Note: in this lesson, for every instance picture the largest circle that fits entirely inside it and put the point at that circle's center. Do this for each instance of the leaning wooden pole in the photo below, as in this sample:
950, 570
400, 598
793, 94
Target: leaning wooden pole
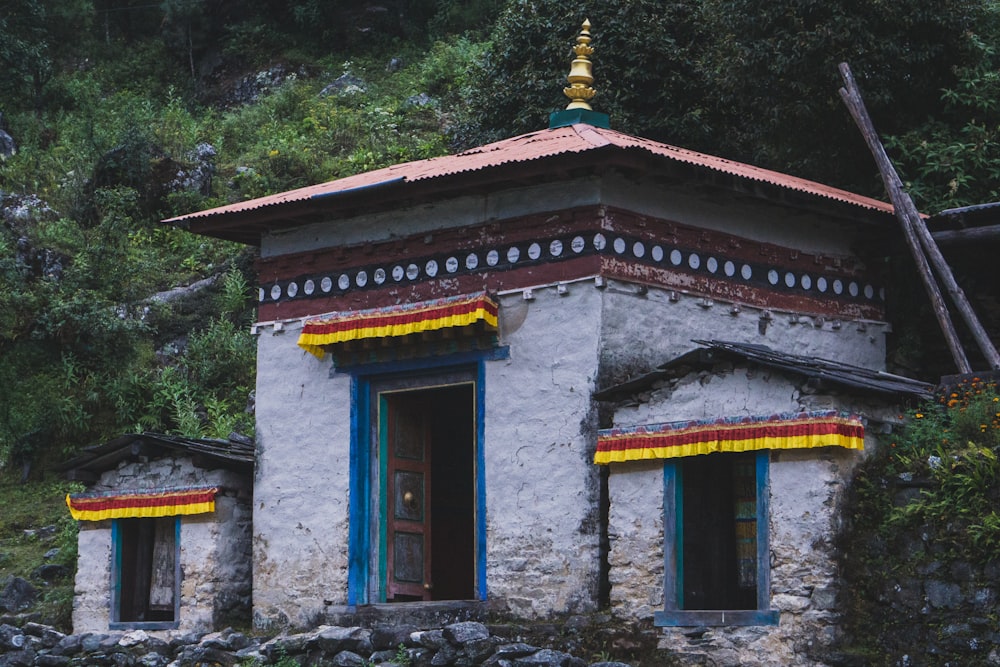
919, 239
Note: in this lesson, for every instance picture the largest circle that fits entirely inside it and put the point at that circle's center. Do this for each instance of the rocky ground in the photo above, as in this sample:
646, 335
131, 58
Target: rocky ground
464, 644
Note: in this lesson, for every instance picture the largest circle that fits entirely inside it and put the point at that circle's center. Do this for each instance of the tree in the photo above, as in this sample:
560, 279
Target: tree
33, 35
751, 82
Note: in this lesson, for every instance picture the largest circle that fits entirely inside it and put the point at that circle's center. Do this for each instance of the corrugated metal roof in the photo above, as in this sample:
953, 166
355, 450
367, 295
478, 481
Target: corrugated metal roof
847, 375
526, 148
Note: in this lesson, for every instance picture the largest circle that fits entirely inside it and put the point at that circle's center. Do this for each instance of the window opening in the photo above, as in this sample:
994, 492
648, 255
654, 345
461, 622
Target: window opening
716, 551
147, 575
720, 532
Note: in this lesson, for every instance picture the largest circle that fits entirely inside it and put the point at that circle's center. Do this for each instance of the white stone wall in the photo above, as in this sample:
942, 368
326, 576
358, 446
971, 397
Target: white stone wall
541, 484
91, 590
302, 484
644, 328
214, 548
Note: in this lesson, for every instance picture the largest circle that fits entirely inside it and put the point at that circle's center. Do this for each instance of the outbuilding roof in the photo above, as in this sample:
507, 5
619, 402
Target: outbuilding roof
814, 368
209, 453
588, 145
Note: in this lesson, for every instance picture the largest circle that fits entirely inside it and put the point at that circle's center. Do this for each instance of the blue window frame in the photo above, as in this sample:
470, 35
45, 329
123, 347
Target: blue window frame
716, 547
372, 388
145, 573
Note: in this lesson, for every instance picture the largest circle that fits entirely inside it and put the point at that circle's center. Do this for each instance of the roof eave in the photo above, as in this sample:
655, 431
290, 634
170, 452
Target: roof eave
249, 226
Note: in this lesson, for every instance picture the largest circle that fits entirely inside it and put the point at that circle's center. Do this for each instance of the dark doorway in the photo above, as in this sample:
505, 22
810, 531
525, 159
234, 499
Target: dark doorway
147, 573
429, 439
720, 531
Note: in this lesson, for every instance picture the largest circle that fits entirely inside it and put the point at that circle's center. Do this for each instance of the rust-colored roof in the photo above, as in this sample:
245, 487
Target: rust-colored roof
527, 148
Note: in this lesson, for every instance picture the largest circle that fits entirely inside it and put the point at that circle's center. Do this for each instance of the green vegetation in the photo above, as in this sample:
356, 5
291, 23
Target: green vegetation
125, 113
925, 504
34, 522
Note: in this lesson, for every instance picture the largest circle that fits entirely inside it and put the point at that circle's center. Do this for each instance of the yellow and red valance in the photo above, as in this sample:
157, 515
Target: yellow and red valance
401, 320
733, 434
141, 504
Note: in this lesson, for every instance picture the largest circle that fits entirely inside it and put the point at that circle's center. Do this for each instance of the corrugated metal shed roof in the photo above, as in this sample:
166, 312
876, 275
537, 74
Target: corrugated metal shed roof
713, 351
579, 139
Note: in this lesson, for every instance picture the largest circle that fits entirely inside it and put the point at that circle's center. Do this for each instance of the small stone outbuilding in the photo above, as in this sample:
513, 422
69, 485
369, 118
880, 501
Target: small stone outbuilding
164, 540
727, 468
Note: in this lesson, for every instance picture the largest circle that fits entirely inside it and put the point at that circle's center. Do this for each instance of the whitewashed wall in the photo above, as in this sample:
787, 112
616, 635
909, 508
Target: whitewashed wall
541, 483
302, 484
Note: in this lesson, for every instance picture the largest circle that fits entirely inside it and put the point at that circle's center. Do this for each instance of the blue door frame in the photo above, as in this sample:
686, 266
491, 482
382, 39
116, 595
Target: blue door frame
365, 520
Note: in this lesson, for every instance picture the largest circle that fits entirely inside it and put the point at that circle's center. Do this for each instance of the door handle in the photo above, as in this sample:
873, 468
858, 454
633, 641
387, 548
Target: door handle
409, 500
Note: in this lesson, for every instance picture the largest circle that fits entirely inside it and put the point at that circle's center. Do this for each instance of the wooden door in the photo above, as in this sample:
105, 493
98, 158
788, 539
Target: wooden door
408, 498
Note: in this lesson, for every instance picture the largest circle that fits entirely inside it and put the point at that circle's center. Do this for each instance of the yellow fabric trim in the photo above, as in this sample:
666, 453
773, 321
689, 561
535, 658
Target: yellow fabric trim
712, 446
140, 512
313, 343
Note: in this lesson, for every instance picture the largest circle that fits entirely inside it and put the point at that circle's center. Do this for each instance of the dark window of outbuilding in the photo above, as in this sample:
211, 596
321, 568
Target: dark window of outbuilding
146, 572
717, 557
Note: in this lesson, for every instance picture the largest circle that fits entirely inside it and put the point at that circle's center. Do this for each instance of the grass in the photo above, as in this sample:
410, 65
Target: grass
33, 522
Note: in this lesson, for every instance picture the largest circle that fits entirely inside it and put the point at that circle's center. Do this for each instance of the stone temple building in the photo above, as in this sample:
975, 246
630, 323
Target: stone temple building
568, 371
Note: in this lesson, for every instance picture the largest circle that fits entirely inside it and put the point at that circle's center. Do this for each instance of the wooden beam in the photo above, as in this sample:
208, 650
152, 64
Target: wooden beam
919, 239
969, 235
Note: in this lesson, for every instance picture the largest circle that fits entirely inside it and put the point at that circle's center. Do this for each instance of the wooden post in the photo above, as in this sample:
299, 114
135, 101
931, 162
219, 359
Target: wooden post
919, 239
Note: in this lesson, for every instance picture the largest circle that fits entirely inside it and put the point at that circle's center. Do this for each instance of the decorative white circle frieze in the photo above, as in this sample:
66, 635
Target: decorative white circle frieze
292, 290
534, 251
729, 268
379, 276
657, 253
492, 258
619, 245
344, 281
578, 244
260, 294
361, 279
513, 254
600, 242
276, 292
694, 261
772, 277
309, 287
821, 284
638, 249
853, 288
431, 268
805, 281
712, 264
451, 264
471, 261
838, 287
789, 279
675, 257
555, 248
869, 292
412, 271
398, 272
326, 284
746, 272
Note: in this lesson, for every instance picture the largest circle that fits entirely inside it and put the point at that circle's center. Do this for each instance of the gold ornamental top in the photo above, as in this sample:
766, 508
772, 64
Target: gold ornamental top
581, 73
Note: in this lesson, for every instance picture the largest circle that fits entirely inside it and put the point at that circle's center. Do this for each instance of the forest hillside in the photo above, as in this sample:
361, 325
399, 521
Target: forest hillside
116, 114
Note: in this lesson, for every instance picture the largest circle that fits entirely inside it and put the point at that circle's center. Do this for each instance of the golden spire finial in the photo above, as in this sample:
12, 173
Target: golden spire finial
581, 73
